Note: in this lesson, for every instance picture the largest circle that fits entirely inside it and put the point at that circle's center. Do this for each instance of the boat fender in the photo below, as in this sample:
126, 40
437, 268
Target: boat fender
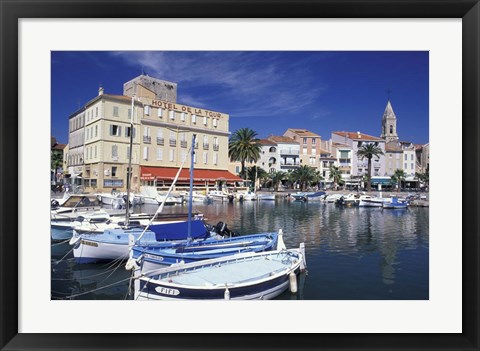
75, 241
226, 295
293, 282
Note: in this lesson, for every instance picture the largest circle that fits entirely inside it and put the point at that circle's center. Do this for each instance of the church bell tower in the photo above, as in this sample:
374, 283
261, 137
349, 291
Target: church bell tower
389, 124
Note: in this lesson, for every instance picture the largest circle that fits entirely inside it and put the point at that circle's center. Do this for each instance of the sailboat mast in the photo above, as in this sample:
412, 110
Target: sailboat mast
190, 198
129, 169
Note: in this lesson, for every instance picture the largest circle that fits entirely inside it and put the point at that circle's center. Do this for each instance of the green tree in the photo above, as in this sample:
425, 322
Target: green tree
276, 179
304, 175
335, 175
56, 161
254, 173
369, 151
398, 177
244, 147
423, 177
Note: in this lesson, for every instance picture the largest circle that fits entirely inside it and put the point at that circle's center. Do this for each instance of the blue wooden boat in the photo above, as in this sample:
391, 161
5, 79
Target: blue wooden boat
150, 258
245, 276
395, 204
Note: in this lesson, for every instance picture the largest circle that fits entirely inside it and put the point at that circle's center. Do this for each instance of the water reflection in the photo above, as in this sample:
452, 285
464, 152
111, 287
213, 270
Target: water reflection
352, 253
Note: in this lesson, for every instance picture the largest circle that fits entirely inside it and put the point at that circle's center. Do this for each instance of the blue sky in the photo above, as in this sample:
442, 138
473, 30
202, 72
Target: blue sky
267, 91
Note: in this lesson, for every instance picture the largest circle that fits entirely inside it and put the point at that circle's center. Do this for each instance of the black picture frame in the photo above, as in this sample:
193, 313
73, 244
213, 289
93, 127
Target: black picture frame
12, 11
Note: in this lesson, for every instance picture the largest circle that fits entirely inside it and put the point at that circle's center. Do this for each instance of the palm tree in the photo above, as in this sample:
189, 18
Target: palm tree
304, 175
336, 175
56, 161
276, 179
369, 151
398, 176
244, 147
254, 173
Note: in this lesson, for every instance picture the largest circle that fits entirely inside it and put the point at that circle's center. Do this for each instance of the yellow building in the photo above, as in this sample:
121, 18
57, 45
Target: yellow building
162, 136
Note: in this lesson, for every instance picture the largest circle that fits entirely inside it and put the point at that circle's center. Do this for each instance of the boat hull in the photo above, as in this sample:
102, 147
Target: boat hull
248, 276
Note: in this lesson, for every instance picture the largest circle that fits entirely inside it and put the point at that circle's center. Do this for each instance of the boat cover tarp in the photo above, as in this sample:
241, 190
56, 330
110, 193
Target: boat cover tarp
179, 230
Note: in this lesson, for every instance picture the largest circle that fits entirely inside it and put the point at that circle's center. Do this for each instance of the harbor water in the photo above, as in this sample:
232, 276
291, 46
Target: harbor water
352, 253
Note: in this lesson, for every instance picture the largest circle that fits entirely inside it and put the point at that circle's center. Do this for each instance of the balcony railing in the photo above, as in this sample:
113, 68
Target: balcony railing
205, 146
172, 142
183, 143
215, 147
160, 141
289, 152
147, 139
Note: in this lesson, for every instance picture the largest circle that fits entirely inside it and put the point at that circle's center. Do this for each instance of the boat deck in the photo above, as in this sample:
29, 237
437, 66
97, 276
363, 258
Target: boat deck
230, 273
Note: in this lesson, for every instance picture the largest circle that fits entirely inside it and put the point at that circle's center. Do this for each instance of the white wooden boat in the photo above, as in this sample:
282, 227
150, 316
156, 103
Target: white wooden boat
245, 276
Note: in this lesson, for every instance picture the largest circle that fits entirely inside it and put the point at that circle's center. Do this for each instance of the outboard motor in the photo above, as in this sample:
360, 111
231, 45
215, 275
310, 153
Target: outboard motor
222, 229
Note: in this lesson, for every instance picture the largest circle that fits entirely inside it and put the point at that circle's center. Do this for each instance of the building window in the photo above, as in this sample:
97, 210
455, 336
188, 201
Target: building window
114, 171
314, 141
172, 155
145, 152
146, 110
160, 140
88, 134
405, 165
406, 156
159, 154
194, 119
173, 139
215, 158
115, 111
182, 116
160, 113
96, 131
183, 155
128, 130
128, 153
304, 150
205, 158
411, 157
95, 155
172, 115
115, 130
96, 111
114, 152
214, 123
304, 140
129, 113
204, 121
391, 129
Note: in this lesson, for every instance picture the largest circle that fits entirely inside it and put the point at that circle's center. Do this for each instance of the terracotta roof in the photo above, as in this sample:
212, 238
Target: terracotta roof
166, 173
303, 132
282, 139
393, 147
341, 145
266, 142
357, 136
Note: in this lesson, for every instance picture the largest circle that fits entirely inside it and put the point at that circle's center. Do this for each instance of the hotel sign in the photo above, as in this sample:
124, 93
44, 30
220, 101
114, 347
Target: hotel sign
182, 108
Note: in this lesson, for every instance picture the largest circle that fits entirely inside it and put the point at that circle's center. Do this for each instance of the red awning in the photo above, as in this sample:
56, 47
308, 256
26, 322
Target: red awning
165, 173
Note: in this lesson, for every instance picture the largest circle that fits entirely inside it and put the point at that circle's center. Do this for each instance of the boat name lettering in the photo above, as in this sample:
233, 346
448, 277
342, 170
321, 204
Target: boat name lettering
157, 258
167, 291
84, 242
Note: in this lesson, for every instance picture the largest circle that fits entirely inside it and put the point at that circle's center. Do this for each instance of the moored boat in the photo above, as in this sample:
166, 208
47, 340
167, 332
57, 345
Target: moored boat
245, 276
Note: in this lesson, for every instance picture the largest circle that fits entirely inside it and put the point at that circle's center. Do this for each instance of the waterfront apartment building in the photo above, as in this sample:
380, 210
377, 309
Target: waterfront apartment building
162, 137
347, 144
400, 155
310, 146
279, 153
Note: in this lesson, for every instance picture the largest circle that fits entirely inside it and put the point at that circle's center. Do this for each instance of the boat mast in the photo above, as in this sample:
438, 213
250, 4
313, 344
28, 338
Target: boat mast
129, 169
190, 199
